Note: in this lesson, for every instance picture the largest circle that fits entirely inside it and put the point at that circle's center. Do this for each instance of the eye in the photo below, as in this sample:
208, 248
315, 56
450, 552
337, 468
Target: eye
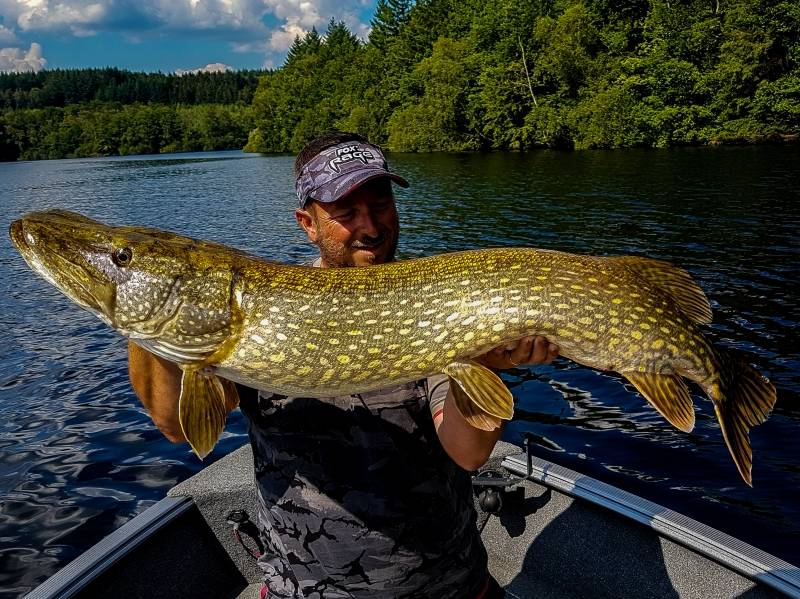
122, 256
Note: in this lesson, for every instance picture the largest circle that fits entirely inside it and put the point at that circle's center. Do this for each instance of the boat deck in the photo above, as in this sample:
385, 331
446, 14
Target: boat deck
545, 543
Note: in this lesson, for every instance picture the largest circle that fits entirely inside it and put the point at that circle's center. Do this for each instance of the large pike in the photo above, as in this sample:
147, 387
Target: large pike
218, 312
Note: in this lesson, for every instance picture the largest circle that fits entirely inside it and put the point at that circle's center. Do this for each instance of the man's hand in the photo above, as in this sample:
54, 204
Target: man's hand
523, 352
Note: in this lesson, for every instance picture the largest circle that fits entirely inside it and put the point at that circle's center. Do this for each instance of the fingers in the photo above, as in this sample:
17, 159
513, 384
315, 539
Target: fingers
523, 352
526, 351
552, 352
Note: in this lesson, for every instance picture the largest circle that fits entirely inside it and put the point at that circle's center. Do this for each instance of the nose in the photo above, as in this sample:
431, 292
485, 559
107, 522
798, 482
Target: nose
367, 224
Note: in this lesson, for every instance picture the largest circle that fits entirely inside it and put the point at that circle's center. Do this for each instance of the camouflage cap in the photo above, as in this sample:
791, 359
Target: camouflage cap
338, 170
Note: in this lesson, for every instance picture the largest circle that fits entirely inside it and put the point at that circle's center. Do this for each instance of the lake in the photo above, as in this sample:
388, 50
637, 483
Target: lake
79, 456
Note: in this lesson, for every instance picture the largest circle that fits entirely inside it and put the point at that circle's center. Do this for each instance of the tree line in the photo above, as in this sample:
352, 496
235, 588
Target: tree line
457, 75
450, 75
111, 129
107, 112
61, 87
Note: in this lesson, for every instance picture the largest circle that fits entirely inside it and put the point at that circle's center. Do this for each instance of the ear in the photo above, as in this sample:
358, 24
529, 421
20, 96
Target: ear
307, 222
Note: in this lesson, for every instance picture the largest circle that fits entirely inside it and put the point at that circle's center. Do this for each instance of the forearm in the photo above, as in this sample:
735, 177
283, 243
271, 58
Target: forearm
157, 384
466, 445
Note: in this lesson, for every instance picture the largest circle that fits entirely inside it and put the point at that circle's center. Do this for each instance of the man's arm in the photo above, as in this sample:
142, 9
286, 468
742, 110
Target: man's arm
157, 383
468, 446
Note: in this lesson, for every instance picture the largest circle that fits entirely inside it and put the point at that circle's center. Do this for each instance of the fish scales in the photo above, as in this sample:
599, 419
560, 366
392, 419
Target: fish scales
325, 332
222, 315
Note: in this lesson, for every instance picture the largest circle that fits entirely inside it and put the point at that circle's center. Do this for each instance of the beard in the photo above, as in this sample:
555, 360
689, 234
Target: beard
337, 255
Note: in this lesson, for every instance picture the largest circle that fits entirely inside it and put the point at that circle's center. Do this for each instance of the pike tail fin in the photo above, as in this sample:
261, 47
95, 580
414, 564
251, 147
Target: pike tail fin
742, 398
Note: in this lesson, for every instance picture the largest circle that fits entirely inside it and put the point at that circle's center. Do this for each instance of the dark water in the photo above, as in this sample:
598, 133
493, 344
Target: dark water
79, 457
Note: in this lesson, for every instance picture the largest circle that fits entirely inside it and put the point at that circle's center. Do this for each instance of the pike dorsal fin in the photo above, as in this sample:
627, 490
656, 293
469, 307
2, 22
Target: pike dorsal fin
481, 397
202, 408
674, 281
668, 394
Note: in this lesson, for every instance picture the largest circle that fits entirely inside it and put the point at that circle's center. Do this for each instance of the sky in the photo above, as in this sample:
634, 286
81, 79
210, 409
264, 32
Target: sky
164, 35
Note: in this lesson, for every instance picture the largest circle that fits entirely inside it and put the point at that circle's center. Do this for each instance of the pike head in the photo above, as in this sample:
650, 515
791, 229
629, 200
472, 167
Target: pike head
170, 293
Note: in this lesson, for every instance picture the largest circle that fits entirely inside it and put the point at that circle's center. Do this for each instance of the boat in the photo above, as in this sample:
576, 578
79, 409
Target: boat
550, 532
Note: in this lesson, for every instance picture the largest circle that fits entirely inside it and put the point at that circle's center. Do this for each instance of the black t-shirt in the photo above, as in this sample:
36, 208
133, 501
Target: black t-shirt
358, 499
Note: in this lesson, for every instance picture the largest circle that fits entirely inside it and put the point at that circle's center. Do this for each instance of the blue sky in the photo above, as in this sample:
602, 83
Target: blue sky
164, 35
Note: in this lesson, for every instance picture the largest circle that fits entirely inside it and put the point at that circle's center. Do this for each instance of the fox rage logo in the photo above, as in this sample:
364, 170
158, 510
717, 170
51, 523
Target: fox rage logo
351, 153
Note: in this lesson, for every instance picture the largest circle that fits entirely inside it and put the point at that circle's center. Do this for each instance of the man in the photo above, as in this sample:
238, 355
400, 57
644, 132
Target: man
364, 496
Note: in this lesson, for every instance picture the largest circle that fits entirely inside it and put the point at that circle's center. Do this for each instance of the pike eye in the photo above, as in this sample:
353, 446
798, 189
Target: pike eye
122, 256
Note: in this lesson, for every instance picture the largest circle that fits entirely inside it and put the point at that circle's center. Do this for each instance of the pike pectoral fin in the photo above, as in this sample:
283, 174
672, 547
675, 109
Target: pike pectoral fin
668, 394
481, 397
202, 409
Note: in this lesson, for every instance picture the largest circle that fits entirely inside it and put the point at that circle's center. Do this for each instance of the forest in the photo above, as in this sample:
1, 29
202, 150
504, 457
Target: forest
447, 75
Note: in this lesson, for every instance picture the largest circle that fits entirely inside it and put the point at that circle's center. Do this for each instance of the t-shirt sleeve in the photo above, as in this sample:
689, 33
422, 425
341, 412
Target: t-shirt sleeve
438, 385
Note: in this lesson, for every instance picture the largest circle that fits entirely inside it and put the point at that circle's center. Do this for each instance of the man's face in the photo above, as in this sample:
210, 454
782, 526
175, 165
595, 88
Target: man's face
357, 230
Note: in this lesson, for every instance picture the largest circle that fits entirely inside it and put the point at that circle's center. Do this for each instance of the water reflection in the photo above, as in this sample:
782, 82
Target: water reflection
78, 455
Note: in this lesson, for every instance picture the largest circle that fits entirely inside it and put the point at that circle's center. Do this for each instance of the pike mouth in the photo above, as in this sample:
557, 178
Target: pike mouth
68, 283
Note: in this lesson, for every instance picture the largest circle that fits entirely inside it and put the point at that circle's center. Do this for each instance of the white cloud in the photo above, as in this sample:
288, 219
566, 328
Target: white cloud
7, 36
78, 17
214, 67
15, 60
237, 21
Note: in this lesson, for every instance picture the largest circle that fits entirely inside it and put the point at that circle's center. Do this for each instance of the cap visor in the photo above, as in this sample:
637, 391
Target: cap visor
339, 188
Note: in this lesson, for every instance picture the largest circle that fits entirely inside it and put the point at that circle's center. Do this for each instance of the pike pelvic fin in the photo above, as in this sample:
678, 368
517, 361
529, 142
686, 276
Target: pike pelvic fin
742, 399
674, 281
668, 394
480, 395
202, 408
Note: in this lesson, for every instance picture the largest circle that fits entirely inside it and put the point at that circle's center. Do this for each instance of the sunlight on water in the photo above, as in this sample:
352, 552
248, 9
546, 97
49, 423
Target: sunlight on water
79, 456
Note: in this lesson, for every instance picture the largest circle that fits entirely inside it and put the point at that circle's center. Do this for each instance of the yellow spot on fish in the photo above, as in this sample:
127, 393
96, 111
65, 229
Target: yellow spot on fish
657, 344
281, 337
590, 334
304, 370
469, 336
354, 333
499, 327
333, 341
616, 300
585, 320
404, 331
311, 346
279, 357
636, 334
373, 350
343, 359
